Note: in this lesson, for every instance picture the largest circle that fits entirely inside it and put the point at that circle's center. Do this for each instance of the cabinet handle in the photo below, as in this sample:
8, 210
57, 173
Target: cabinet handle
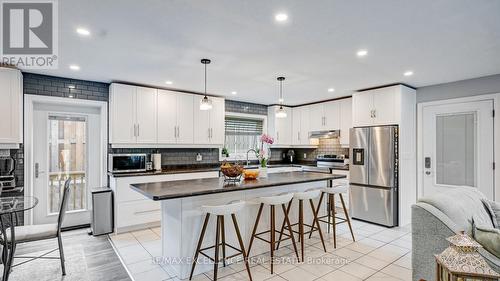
175, 131
138, 130
148, 211
277, 136
178, 131
298, 136
209, 133
135, 130
374, 113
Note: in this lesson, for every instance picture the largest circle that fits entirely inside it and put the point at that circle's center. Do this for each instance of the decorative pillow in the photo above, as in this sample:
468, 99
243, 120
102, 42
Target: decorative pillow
489, 238
495, 207
489, 206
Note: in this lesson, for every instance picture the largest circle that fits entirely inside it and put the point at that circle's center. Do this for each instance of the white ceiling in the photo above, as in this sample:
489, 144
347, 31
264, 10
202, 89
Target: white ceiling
149, 42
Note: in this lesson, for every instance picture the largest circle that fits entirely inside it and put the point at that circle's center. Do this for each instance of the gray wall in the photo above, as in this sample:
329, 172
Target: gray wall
459, 89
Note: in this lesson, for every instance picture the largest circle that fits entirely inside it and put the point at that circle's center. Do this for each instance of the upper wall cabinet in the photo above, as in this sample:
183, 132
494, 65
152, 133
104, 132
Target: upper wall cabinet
132, 114
345, 106
300, 125
140, 115
379, 106
209, 124
175, 117
280, 128
11, 107
325, 116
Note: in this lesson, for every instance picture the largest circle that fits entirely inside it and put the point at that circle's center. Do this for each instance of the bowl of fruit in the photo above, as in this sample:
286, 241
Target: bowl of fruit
250, 174
231, 170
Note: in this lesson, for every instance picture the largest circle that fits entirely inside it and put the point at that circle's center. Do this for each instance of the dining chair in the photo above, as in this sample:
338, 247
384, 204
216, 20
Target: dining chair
32, 233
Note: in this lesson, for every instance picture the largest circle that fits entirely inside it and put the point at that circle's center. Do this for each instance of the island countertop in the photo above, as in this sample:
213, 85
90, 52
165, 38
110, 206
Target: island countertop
186, 188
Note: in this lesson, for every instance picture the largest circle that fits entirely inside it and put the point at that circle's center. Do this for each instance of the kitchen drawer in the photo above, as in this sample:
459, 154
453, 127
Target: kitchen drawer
138, 212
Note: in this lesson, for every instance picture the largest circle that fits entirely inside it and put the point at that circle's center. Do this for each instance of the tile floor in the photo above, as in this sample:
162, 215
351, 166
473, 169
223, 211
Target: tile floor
378, 254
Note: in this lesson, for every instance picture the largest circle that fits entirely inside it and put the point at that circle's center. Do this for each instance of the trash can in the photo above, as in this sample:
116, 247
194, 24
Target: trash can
102, 211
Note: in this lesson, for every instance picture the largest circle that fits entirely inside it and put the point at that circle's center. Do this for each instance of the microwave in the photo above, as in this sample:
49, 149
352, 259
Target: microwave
126, 163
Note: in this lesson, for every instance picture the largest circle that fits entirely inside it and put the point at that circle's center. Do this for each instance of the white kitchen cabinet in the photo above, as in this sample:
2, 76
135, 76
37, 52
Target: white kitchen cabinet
209, 124
378, 106
122, 121
133, 114
11, 107
324, 116
300, 125
175, 117
316, 117
280, 128
146, 106
345, 121
332, 115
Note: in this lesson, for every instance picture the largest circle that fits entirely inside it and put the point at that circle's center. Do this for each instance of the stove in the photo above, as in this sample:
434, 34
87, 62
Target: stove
330, 160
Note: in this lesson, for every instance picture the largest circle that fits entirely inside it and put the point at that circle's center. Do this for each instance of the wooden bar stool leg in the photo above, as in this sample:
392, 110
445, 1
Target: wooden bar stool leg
283, 225
242, 246
316, 221
347, 217
301, 228
217, 240
273, 230
223, 232
290, 231
259, 213
198, 247
315, 213
334, 224
329, 211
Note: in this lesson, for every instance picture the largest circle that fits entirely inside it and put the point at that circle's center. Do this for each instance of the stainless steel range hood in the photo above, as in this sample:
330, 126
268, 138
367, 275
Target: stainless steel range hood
330, 134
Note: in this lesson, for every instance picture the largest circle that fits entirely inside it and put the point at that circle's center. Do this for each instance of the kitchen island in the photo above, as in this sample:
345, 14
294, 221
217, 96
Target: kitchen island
182, 218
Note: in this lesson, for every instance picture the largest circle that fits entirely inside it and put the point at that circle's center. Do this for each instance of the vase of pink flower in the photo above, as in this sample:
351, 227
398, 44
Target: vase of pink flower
264, 154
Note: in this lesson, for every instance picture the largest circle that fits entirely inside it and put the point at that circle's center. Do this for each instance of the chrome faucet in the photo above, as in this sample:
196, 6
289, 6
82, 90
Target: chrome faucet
251, 149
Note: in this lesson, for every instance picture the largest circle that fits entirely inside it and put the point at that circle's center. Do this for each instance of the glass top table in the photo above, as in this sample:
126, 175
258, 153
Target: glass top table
9, 205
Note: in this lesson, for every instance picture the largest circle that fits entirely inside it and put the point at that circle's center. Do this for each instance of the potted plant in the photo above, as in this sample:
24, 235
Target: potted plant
264, 153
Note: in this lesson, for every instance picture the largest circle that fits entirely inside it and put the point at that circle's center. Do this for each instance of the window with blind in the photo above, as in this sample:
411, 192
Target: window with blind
242, 134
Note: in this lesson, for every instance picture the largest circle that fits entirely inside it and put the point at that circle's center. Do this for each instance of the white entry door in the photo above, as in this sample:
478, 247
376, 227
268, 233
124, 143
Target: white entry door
457, 147
65, 143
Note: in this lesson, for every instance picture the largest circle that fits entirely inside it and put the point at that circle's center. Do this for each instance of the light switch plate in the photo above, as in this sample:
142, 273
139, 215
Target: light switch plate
199, 157
305, 155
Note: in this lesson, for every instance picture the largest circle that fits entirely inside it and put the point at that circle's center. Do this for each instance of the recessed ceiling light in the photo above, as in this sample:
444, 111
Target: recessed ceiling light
169, 82
331, 90
83, 31
362, 53
74, 67
281, 17
408, 73
234, 92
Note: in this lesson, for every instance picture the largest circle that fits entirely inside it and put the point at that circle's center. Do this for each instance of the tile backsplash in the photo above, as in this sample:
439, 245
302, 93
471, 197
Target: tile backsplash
326, 146
176, 156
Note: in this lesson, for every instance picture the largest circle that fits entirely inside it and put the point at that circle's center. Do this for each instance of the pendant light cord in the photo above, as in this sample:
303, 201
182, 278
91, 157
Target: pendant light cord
205, 79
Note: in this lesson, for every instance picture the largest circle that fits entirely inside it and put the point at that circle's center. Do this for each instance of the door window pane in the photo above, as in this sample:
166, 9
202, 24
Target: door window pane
67, 160
456, 149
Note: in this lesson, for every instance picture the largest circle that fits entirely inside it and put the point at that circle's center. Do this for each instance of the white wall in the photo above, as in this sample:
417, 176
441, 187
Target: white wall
459, 89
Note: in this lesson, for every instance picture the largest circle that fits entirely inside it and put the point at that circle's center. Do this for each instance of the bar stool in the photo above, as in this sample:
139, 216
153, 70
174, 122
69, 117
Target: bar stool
301, 196
220, 211
338, 188
272, 202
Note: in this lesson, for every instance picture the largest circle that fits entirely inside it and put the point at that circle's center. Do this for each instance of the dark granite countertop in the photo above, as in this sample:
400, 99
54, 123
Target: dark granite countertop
186, 188
214, 168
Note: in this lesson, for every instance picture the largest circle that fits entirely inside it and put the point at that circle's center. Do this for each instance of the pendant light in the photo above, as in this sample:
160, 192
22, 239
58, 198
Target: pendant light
281, 113
205, 103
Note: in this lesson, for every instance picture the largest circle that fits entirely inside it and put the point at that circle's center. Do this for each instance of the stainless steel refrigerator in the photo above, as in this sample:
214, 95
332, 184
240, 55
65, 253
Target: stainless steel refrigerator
373, 174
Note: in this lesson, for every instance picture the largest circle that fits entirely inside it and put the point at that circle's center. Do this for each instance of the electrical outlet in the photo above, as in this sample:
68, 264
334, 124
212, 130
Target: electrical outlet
284, 155
305, 155
199, 157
